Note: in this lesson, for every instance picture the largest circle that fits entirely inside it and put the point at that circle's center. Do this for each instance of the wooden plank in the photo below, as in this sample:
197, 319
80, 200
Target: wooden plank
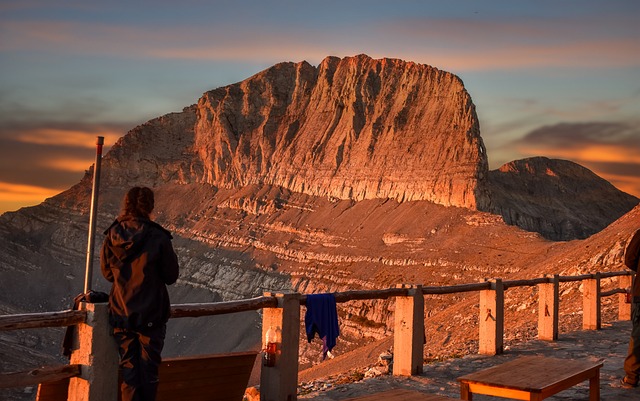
213, 382
572, 381
479, 388
177, 365
194, 358
219, 308
53, 391
35, 376
40, 320
401, 395
204, 375
221, 377
210, 394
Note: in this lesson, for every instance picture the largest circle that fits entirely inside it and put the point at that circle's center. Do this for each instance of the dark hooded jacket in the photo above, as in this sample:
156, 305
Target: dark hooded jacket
138, 258
632, 261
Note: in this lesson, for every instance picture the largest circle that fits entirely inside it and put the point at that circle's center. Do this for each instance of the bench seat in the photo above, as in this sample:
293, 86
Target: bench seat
218, 377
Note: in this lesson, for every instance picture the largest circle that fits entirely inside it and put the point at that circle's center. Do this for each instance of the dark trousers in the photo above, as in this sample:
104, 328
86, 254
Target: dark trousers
632, 362
139, 362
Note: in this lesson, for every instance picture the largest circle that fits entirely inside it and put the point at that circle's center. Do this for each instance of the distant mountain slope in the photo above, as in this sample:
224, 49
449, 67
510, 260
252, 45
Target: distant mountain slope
557, 198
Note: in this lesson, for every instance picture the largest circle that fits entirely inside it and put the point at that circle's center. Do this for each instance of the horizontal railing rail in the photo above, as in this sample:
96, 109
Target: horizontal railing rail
221, 308
41, 320
35, 376
73, 317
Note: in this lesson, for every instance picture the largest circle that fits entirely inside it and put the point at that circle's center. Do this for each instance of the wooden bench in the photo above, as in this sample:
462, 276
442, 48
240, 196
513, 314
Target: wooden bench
219, 377
401, 395
532, 378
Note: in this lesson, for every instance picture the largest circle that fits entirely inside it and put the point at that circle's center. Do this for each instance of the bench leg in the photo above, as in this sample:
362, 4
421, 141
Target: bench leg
594, 387
465, 394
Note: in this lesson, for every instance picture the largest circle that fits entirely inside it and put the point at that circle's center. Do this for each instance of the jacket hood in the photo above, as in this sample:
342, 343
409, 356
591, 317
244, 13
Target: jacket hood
128, 235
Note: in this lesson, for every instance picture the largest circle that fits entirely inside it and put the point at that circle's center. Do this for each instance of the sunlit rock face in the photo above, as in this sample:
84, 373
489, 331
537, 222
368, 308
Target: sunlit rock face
352, 128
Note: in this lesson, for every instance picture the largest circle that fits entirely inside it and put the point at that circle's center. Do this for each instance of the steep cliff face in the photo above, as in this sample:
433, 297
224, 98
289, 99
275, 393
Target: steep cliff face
353, 128
557, 198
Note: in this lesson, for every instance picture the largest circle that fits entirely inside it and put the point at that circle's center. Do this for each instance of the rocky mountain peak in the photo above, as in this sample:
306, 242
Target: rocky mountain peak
560, 199
352, 128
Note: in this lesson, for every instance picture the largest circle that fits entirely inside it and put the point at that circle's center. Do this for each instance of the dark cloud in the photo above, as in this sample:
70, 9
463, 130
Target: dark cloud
617, 168
611, 150
578, 135
28, 164
55, 161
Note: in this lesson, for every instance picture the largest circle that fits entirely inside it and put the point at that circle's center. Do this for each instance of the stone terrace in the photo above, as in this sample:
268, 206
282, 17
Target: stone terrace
608, 344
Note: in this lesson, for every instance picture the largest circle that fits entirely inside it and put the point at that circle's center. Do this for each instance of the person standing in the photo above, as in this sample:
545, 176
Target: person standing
137, 257
632, 361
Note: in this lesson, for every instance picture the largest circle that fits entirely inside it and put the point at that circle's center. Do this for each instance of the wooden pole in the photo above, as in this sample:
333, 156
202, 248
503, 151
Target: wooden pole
548, 307
624, 304
591, 303
492, 319
408, 333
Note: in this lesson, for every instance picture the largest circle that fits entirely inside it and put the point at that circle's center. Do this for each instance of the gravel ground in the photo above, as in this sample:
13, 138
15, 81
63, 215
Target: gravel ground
608, 345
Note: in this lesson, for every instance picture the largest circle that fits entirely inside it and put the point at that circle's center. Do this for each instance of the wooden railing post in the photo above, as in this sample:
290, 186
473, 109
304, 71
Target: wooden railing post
97, 353
492, 319
591, 303
548, 307
624, 307
408, 333
280, 382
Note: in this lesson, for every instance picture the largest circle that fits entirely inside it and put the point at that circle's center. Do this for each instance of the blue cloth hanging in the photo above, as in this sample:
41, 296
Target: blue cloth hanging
322, 318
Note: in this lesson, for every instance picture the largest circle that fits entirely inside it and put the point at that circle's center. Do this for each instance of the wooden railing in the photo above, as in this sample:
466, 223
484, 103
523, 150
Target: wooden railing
282, 311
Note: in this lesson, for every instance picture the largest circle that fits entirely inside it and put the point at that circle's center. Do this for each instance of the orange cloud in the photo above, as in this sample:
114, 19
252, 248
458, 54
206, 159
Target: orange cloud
63, 137
15, 196
588, 153
74, 165
626, 183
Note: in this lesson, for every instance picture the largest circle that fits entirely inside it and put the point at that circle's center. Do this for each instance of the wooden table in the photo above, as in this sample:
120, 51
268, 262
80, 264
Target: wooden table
532, 378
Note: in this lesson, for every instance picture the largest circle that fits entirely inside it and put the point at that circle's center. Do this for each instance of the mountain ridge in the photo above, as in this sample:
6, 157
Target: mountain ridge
559, 199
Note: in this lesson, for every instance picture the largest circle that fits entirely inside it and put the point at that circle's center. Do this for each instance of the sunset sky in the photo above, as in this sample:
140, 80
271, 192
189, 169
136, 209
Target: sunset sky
549, 78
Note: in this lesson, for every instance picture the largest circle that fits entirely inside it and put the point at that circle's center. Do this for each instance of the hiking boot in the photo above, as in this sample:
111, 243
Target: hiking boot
627, 382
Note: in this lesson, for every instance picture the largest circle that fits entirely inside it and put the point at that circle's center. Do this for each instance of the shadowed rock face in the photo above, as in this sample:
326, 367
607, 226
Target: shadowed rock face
557, 198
